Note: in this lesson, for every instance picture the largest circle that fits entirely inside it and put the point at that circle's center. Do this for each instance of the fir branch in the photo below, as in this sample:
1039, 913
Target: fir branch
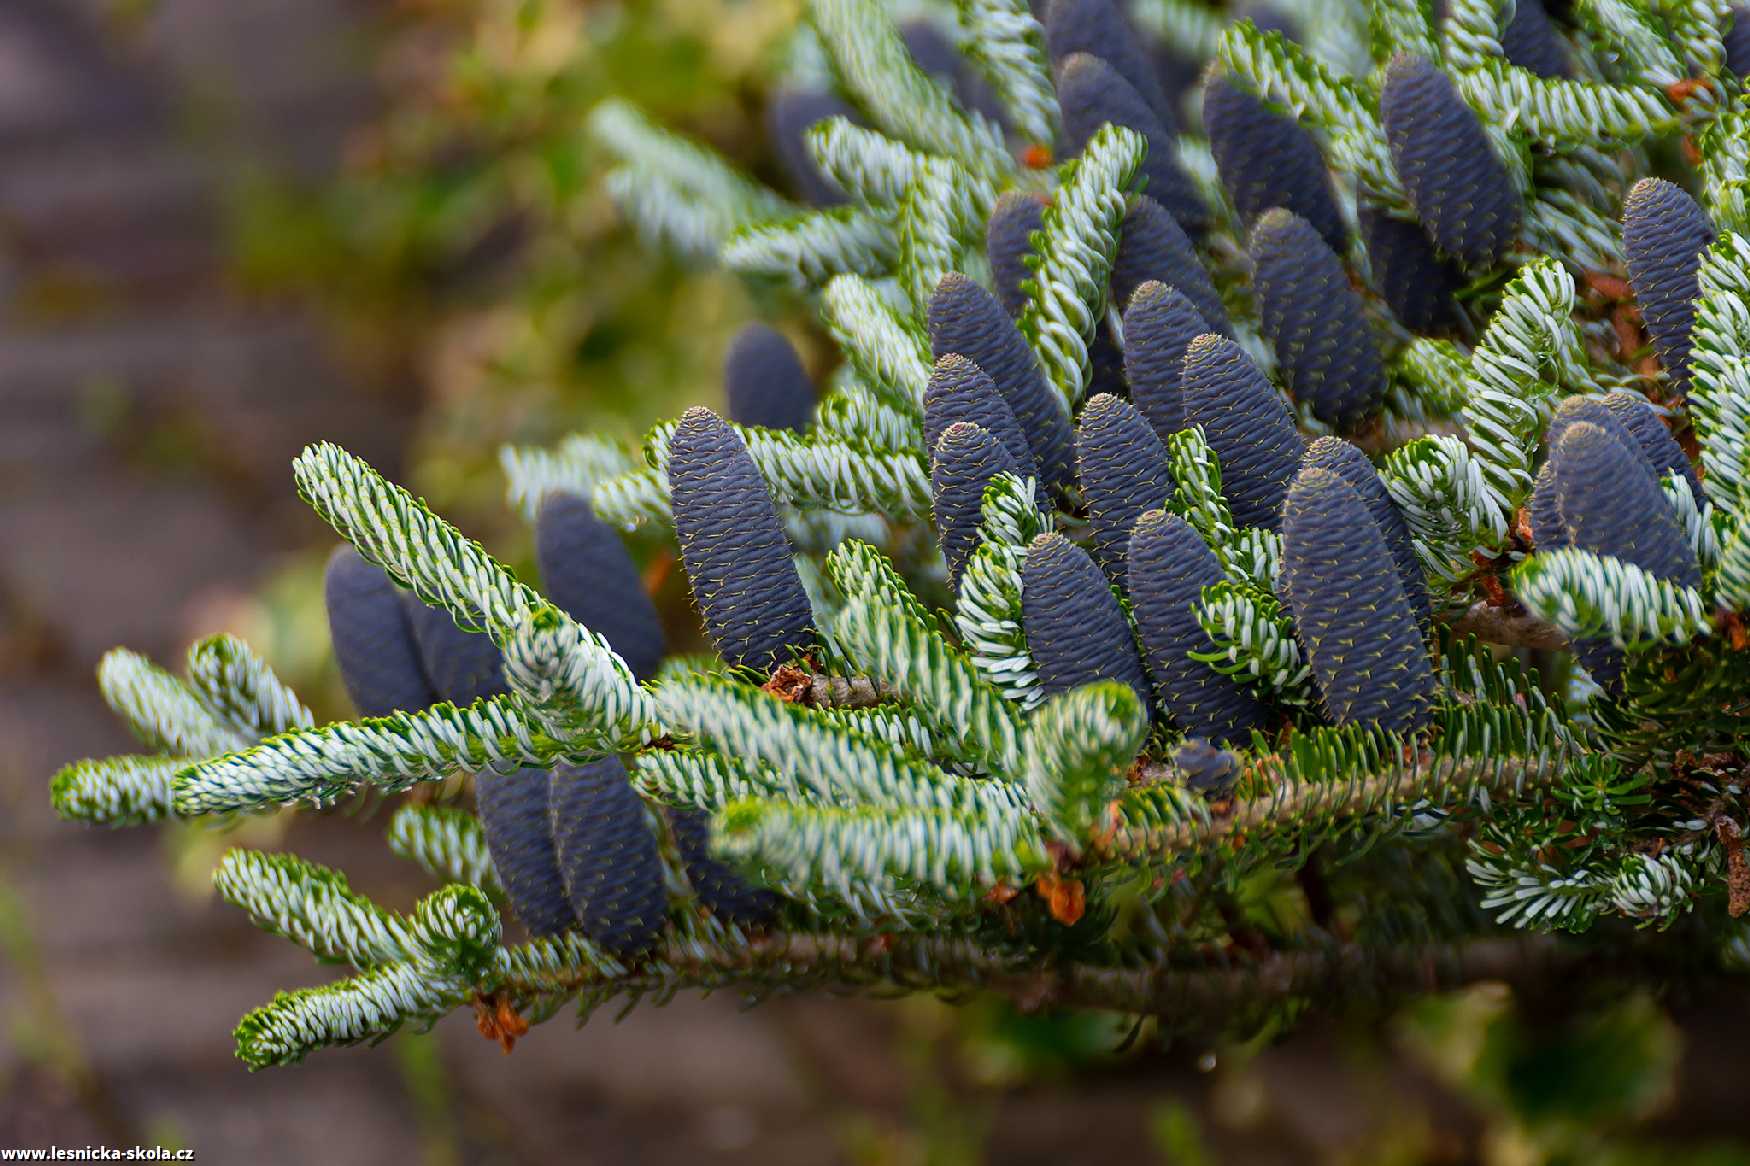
824, 473
418, 550
874, 169
239, 686
809, 248
116, 791
163, 711
834, 763
958, 853
1290, 78
445, 840
913, 660
1562, 114
625, 132
1005, 43
928, 220
1590, 595
1509, 399
872, 63
890, 353
987, 609
314, 907
1079, 747
579, 463
631, 499
371, 1007
1078, 240
1252, 639
391, 753
1719, 395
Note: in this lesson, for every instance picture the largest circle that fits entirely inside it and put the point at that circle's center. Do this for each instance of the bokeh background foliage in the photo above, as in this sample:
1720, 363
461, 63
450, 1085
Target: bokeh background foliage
459, 259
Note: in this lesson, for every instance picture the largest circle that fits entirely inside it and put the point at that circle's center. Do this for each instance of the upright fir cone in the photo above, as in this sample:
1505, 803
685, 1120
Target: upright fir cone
959, 391
1611, 504
607, 857
1159, 326
587, 572
1076, 631
1315, 321
1350, 464
462, 666
1737, 39
765, 382
1152, 246
1099, 28
1008, 238
1664, 236
1654, 437
373, 642
965, 459
514, 815
1596, 493
1123, 471
719, 887
1416, 282
1091, 93
1170, 565
1594, 411
966, 319
733, 547
791, 114
1355, 625
1247, 426
1267, 159
1531, 41
1461, 191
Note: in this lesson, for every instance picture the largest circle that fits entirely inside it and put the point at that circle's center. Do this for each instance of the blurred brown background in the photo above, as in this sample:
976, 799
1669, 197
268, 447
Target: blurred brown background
230, 227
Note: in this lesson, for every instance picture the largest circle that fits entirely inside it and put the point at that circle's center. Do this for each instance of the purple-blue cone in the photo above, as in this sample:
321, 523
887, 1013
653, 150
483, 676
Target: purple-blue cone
1350, 464
1664, 236
1099, 28
586, 570
1651, 434
1170, 565
1246, 424
1267, 159
1353, 621
373, 642
719, 887
733, 548
964, 318
1159, 325
1459, 188
790, 115
1315, 322
1091, 93
1123, 471
1416, 282
462, 666
764, 381
1153, 247
962, 464
1531, 41
1008, 243
608, 861
958, 390
1076, 631
514, 815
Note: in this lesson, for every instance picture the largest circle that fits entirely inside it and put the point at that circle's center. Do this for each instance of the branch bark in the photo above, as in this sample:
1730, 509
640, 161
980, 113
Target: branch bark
1511, 626
1201, 996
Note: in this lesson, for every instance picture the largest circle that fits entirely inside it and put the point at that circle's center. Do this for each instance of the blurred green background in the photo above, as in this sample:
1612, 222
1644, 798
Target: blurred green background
229, 227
